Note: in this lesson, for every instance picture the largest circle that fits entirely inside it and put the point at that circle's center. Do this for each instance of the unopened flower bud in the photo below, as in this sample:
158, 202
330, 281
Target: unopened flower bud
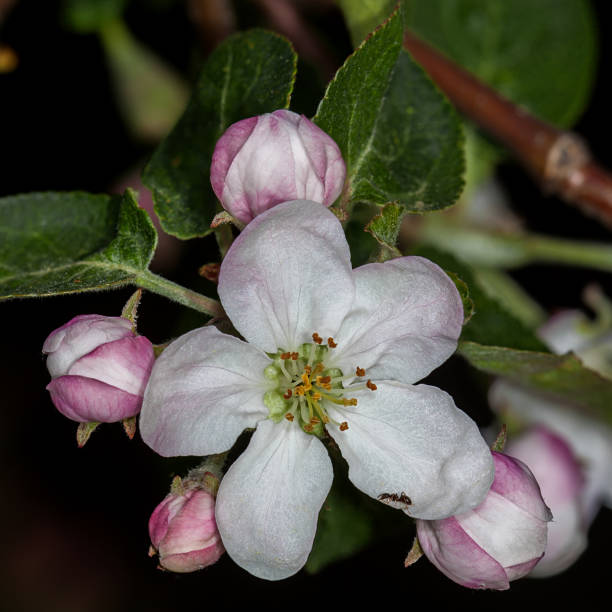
183, 531
561, 481
498, 541
277, 157
100, 368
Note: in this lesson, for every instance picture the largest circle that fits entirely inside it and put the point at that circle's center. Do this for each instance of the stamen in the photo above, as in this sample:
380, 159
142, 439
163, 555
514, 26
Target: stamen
295, 356
343, 426
288, 394
289, 417
285, 356
359, 371
299, 390
346, 401
371, 385
308, 428
306, 381
314, 421
331, 343
316, 338
308, 370
316, 396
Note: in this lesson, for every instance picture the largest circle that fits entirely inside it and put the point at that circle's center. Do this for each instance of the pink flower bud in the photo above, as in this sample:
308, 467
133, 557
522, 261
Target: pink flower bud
99, 367
562, 483
184, 532
277, 157
498, 541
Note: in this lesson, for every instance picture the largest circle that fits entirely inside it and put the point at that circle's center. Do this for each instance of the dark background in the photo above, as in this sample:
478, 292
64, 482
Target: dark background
74, 521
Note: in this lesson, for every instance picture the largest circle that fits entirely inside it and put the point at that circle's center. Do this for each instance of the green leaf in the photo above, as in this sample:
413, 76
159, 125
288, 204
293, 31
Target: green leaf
400, 138
491, 323
362, 16
344, 528
249, 74
560, 376
53, 243
538, 54
385, 227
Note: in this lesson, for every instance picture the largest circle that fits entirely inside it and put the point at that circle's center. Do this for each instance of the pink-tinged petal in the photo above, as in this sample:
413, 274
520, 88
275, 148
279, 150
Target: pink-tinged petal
405, 320
277, 157
80, 336
590, 441
125, 364
414, 440
507, 532
567, 540
288, 275
552, 462
205, 388
514, 572
86, 399
226, 149
457, 556
515, 482
184, 532
269, 500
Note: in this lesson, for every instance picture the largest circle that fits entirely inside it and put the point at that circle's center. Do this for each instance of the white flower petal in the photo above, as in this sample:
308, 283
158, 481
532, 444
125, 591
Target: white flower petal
414, 440
288, 275
405, 321
269, 500
205, 388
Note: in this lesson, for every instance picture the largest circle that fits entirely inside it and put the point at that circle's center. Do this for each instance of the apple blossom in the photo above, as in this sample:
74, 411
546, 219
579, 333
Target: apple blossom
262, 161
183, 530
327, 351
500, 540
99, 367
561, 481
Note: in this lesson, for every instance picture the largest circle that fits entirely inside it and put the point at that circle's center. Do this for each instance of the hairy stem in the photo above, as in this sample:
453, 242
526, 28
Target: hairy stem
177, 293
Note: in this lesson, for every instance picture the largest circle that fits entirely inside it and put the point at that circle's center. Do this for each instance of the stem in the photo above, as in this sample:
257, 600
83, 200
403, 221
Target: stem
177, 293
224, 237
559, 160
481, 248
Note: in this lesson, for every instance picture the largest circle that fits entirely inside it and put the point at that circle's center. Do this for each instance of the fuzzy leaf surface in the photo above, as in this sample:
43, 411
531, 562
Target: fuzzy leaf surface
400, 138
249, 74
54, 243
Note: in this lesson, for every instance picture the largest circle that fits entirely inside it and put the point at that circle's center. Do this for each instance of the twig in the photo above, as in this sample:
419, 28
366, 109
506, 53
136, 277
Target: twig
557, 159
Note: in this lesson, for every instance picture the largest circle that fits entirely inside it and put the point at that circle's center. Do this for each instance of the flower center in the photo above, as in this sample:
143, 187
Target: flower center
306, 387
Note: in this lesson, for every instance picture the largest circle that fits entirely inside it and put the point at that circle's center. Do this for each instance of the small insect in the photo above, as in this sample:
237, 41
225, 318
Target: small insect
401, 498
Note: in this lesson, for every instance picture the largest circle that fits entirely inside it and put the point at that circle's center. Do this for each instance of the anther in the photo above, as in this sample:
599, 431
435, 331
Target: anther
359, 371
343, 426
295, 356
316, 396
308, 370
299, 390
371, 385
331, 343
288, 394
316, 338
349, 401
314, 421
308, 427
289, 416
285, 356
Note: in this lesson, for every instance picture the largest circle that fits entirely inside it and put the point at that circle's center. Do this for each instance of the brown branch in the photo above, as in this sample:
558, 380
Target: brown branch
559, 160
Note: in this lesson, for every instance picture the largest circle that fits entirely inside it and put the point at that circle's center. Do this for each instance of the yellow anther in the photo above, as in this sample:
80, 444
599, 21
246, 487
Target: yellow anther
318, 369
308, 427
308, 370
299, 390
331, 343
316, 396
289, 416
314, 421
316, 338
359, 372
371, 385
306, 381
343, 426
349, 401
